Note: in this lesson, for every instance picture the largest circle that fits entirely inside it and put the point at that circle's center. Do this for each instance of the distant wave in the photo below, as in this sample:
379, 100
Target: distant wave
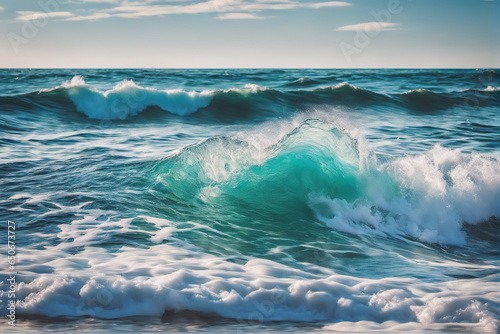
303, 82
492, 89
127, 99
318, 166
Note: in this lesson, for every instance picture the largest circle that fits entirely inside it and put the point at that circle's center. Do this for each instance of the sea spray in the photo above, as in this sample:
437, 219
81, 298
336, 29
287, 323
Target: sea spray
352, 200
427, 196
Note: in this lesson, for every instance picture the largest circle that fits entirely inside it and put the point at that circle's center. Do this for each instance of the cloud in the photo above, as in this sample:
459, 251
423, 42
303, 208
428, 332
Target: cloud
28, 15
1, 8
328, 4
210, 6
239, 16
371, 26
95, 16
233, 7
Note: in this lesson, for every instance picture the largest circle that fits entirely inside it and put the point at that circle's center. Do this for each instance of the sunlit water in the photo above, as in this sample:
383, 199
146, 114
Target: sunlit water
228, 200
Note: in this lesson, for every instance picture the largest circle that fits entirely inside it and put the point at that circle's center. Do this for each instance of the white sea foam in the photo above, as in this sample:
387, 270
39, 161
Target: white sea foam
491, 89
341, 85
419, 90
163, 277
128, 99
427, 196
253, 88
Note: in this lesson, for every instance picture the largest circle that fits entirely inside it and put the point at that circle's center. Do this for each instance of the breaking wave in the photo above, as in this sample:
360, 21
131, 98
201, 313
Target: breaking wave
127, 99
427, 196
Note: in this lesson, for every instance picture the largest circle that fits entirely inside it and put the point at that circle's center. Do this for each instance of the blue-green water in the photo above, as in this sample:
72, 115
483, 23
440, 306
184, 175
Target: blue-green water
279, 199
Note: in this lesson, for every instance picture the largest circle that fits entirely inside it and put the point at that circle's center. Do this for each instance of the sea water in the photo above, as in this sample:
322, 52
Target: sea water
251, 200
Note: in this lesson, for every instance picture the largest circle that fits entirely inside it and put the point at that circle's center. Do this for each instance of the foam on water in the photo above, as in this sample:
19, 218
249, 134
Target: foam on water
492, 89
263, 203
321, 165
105, 285
427, 196
128, 99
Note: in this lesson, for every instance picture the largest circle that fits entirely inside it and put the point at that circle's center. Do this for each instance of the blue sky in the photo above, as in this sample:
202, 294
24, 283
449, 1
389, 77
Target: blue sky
250, 33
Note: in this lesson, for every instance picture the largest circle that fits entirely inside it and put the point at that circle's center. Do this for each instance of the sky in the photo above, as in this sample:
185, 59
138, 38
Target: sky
249, 34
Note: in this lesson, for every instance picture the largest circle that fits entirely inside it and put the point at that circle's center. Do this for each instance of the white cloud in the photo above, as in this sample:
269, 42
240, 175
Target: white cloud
1, 8
371, 26
329, 4
28, 15
107, 1
96, 16
234, 7
274, 1
210, 6
239, 16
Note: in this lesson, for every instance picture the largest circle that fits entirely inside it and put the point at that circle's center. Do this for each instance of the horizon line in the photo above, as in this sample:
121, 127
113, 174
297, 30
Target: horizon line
249, 68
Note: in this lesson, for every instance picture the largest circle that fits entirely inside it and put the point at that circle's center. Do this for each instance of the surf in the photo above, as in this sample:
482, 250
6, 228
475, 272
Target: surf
126, 100
319, 169
331, 199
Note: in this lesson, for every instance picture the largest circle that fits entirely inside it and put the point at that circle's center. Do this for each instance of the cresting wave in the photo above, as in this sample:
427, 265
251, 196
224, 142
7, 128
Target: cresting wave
321, 167
316, 173
127, 99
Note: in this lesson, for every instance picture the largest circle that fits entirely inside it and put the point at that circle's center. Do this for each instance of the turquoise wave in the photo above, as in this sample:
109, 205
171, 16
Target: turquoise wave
321, 171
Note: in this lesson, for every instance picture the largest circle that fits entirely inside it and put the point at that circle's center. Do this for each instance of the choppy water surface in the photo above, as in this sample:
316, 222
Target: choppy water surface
230, 200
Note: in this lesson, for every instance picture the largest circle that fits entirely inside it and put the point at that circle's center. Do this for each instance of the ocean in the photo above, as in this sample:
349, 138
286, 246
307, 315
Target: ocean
250, 200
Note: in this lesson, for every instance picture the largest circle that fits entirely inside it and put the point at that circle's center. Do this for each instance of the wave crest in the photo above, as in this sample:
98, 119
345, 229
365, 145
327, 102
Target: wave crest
128, 99
321, 168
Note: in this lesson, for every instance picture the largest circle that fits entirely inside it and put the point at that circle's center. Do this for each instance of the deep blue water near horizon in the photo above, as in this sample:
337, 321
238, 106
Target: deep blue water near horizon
252, 199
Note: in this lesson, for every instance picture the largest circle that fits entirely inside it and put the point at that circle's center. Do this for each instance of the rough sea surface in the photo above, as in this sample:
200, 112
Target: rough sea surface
252, 200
